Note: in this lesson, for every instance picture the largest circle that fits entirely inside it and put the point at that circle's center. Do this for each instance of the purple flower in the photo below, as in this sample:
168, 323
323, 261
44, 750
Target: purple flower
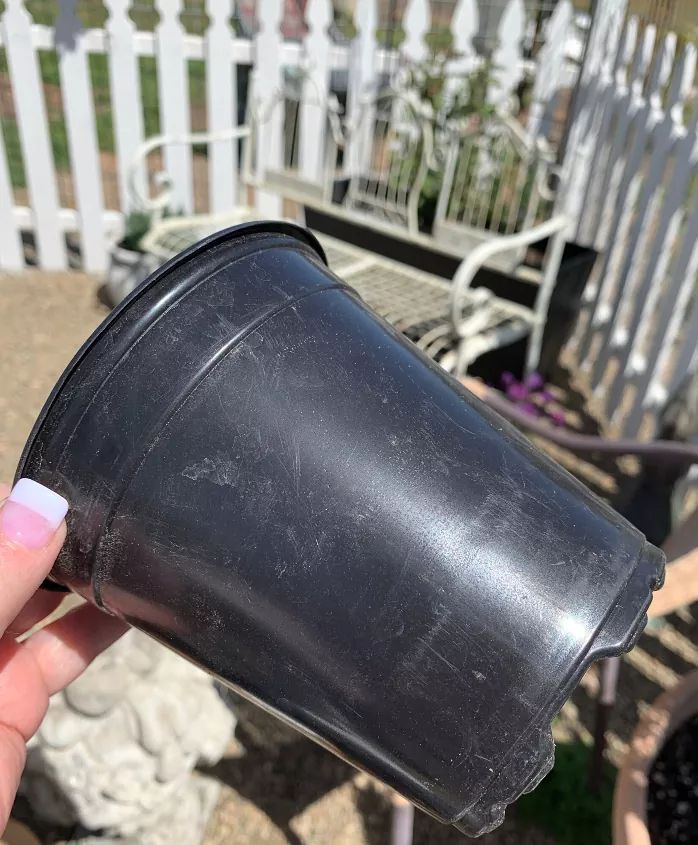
507, 378
517, 392
557, 418
529, 409
546, 396
534, 381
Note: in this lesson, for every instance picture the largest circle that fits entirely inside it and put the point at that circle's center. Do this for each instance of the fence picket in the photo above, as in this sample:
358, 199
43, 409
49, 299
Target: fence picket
464, 24
363, 78
11, 254
34, 134
616, 114
679, 347
221, 106
315, 92
507, 66
655, 210
670, 304
602, 308
267, 90
605, 29
125, 93
650, 150
646, 148
173, 94
416, 23
592, 97
82, 136
549, 70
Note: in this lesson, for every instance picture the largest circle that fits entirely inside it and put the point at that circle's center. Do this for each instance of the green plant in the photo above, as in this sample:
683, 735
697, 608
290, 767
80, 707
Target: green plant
451, 98
564, 806
138, 224
439, 39
136, 227
445, 99
344, 21
390, 37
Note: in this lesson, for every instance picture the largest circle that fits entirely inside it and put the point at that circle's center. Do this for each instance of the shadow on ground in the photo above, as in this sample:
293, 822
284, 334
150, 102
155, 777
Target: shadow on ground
281, 788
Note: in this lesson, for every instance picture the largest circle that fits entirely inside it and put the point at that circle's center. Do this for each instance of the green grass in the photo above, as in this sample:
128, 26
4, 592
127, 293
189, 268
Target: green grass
93, 14
10, 132
563, 805
14, 157
99, 76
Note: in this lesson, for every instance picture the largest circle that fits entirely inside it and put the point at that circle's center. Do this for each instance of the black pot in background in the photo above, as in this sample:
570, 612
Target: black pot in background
126, 270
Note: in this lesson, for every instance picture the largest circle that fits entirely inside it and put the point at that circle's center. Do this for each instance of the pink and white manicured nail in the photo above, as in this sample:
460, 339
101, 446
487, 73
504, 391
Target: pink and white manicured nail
32, 514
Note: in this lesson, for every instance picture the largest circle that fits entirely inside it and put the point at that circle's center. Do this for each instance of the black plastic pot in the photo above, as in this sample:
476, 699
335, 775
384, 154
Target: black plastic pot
269, 479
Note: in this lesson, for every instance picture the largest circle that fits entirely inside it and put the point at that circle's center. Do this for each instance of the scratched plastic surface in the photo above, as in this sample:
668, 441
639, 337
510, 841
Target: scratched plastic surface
269, 479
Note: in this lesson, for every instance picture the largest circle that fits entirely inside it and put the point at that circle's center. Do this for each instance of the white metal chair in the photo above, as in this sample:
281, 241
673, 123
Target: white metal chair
169, 235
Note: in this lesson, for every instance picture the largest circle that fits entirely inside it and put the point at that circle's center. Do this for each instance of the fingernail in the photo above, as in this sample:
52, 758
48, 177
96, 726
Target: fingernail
31, 514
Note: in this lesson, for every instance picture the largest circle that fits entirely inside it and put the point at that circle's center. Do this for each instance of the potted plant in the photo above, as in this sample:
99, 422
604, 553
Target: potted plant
129, 265
656, 794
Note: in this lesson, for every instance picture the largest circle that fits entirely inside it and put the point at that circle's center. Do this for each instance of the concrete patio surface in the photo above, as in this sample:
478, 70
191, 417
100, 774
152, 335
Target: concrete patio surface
279, 787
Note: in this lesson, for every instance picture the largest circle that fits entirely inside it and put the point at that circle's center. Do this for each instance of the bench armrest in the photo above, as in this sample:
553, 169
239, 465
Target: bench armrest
156, 205
470, 265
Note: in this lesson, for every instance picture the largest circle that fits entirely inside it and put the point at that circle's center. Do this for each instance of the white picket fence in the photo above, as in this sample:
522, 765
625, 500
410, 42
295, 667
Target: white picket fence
92, 225
632, 189
630, 173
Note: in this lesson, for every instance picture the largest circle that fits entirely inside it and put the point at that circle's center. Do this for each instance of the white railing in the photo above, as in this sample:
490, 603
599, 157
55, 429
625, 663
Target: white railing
92, 225
631, 185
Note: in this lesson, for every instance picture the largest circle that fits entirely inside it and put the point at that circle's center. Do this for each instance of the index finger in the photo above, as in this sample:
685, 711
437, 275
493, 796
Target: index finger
32, 532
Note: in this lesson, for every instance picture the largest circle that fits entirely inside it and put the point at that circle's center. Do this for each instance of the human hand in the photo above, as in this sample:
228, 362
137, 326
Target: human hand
32, 532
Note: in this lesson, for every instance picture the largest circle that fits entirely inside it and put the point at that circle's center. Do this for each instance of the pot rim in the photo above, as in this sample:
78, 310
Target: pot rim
241, 230
671, 709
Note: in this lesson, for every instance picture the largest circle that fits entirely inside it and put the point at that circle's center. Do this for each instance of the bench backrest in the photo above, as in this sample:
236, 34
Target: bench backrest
388, 159
309, 122
496, 181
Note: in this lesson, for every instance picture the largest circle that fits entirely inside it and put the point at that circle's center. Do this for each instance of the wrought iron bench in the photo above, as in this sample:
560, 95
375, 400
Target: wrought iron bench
389, 158
390, 151
495, 201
